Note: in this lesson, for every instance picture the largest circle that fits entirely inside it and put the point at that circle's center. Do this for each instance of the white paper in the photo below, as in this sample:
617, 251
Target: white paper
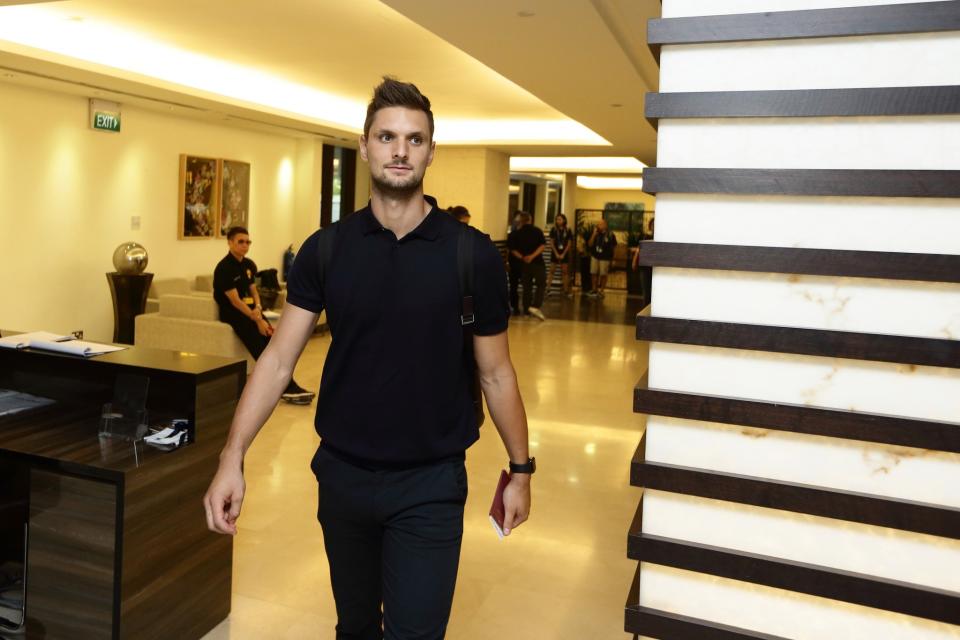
24, 340
75, 347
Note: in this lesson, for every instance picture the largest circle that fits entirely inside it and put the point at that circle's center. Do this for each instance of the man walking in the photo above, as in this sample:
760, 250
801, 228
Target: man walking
395, 412
238, 302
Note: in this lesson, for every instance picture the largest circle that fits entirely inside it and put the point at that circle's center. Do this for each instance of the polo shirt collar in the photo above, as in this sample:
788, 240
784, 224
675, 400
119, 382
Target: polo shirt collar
428, 229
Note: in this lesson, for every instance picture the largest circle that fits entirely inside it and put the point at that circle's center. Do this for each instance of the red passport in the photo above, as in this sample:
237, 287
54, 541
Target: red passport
497, 512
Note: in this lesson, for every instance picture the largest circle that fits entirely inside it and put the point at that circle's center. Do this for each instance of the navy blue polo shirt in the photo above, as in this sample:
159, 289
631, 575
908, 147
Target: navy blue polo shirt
395, 388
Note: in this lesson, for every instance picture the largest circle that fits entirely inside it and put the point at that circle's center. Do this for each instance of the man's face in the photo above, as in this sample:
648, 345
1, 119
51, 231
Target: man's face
398, 150
602, 225
239, 244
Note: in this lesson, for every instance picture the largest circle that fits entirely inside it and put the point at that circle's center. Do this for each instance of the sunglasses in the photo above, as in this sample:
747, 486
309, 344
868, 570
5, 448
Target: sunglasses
244, 241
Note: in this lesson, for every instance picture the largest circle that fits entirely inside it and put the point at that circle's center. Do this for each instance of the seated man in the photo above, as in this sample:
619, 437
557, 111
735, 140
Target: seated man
239, 303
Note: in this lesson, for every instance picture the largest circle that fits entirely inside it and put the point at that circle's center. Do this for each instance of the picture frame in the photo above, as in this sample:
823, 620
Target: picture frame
199, 197
234, 197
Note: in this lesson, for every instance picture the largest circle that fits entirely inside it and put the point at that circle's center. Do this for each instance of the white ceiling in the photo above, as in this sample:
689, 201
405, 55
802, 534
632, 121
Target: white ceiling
571, 60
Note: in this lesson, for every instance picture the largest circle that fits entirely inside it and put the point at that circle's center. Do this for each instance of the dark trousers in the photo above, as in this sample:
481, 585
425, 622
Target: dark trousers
534, 275
516, 270
246, 330
393, 541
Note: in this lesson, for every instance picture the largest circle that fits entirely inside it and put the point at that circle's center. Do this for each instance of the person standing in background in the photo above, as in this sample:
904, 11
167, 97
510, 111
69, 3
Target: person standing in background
514, 263
529, 244
601, 243
561, 243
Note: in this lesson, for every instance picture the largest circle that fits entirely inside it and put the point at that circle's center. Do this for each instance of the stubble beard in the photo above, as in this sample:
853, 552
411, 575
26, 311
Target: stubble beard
397, 189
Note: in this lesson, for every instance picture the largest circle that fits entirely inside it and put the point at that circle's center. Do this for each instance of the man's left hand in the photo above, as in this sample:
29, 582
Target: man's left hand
516, 502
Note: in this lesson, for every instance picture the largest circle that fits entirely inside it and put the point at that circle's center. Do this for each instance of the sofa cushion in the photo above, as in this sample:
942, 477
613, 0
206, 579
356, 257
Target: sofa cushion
189, 307
204, 283
161, 286
193, 336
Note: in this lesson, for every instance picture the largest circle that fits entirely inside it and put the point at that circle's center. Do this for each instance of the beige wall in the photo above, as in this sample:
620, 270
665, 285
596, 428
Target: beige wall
67, 194
476, 178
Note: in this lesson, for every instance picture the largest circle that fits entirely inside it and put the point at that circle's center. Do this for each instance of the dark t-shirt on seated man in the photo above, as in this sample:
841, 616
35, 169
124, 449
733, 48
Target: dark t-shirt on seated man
395, 388
231, 273
526, 239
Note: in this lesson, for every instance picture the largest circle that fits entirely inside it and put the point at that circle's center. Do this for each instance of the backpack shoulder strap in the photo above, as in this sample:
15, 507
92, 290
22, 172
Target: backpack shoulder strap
465, 271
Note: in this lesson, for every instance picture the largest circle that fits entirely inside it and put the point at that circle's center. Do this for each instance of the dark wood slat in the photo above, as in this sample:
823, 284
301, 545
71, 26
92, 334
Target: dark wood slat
780, 416
906, 515
921, 17
886, 101
890, 183
663, 625
633, 601
889, 265
847, 586
932, 352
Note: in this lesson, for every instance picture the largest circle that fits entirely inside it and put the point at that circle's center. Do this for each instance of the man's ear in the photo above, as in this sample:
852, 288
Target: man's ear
363, 148
433, 148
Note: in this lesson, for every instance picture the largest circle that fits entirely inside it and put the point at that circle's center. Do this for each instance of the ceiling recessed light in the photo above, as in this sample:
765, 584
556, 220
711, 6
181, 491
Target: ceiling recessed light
76, 18
525, 14
615, 105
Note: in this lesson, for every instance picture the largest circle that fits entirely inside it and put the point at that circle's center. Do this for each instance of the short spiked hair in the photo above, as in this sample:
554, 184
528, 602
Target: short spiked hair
393, 93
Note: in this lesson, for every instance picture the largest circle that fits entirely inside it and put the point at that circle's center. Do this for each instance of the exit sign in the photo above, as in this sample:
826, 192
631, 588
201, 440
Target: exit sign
104, 115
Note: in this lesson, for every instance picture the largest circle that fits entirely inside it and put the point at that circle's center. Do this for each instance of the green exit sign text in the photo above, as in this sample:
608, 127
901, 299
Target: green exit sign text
106, 121
104, 115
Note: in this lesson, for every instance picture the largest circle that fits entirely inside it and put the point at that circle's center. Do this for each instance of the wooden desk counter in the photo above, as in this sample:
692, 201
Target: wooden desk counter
118, 541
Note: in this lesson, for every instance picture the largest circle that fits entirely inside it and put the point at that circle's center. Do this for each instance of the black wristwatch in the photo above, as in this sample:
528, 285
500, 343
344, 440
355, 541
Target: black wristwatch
530, 466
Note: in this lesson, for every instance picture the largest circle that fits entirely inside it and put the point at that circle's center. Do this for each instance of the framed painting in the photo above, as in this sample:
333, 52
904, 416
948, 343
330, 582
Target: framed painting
234, 195
199, 190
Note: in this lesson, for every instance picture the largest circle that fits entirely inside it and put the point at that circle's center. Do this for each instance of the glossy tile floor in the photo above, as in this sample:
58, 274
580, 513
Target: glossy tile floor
563, 575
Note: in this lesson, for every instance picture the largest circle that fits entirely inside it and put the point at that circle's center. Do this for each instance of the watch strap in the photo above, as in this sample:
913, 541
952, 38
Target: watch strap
529, 466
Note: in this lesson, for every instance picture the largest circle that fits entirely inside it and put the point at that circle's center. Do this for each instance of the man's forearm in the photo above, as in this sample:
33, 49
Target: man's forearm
506, 409
242, 307
538, 251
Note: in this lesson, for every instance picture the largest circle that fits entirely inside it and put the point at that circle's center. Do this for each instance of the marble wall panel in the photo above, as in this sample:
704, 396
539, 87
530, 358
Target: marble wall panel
778, 612
918, 225
867, 467
931, 393
818, 63
868, 305
875, 551
902, 142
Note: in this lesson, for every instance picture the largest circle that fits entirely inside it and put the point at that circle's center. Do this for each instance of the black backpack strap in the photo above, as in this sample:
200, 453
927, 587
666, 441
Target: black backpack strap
325, 244
465, 269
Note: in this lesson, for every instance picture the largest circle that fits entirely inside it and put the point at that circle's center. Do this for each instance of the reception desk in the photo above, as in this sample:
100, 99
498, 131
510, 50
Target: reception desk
118, 545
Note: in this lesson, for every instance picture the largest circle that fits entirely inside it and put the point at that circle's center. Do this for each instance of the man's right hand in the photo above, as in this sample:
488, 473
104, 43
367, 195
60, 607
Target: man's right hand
224, 498
264, 327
